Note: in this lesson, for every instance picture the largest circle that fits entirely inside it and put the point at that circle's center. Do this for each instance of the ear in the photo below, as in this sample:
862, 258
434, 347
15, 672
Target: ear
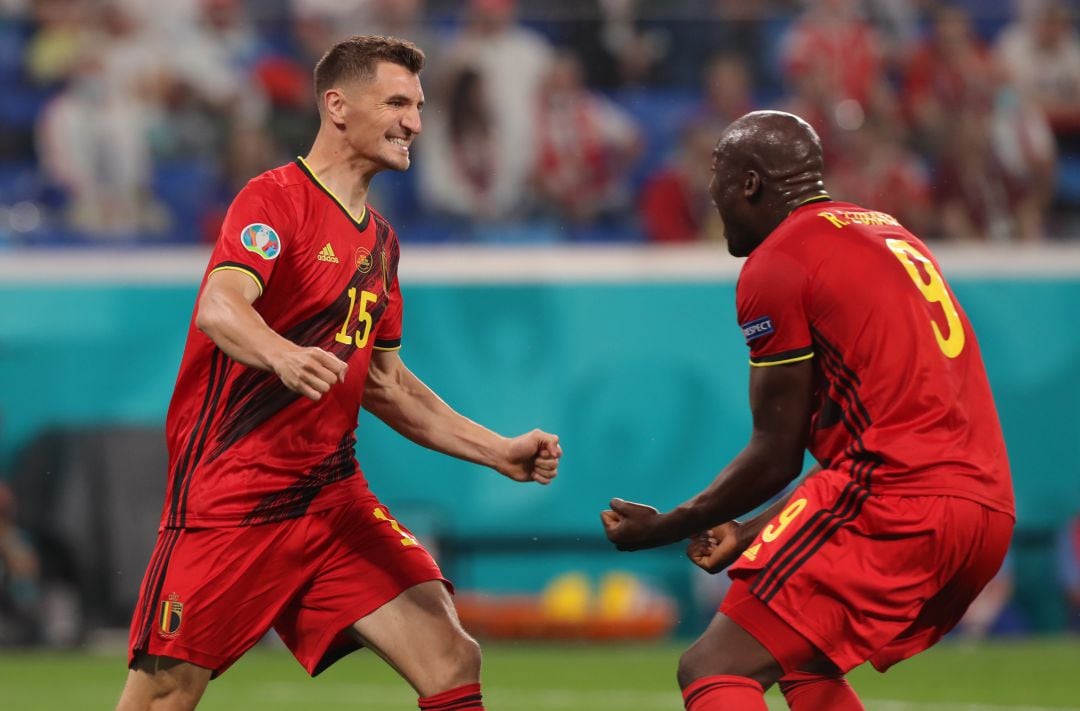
751, 184
334, 106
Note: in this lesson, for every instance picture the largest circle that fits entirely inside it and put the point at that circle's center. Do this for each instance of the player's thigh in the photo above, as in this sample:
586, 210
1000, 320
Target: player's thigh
164, 684
368, 562
419, 634
837, 549
982, 540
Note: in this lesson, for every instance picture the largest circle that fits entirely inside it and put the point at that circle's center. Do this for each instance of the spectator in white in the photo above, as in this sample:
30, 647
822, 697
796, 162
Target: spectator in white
457, 170
92, 139
512, 62
586, 146
1041, 53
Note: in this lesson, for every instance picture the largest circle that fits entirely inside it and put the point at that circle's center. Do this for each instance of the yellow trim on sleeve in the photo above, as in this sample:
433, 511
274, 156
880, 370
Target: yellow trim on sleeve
363, 213
242, 271
392, 348
796, 359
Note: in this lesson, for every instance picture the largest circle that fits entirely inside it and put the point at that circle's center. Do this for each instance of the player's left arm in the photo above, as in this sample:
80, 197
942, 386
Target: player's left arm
400, 399
781, 400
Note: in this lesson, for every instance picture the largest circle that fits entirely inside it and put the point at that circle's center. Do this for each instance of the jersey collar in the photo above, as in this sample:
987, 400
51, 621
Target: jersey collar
365, 216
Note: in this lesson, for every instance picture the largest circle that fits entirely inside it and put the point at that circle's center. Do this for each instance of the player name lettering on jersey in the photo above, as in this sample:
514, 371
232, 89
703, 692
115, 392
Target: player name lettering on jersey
842, 218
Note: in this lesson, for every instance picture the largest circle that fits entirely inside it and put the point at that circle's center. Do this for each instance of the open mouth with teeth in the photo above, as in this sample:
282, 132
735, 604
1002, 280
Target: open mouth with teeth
401, 142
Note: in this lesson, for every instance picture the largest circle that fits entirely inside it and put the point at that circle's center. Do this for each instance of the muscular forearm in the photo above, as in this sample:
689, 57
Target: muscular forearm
751, 527
406, 404
751, 479
238, 330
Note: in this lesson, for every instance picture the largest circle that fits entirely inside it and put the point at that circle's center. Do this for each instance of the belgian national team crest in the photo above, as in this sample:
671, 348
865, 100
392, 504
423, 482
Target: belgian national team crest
171, 616
363, 260
261, 239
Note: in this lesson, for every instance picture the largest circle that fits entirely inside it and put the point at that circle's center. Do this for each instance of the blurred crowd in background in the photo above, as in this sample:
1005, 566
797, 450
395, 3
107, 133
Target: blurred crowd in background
547, 120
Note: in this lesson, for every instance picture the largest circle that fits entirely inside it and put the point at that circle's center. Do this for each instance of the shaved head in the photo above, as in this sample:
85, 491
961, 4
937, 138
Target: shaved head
764, 165
781, 145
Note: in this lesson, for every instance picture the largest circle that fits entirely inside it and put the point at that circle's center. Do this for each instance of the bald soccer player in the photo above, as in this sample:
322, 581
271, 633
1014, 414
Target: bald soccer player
860, 353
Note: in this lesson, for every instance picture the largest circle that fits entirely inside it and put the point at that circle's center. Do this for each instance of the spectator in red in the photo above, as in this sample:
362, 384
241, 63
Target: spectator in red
832, 41
586, 146
951, 72
675, 204
877, 168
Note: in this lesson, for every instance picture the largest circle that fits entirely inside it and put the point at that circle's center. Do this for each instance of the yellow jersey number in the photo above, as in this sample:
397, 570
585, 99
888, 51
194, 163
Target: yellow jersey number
407, 539
773, 530
933, 291
361, 334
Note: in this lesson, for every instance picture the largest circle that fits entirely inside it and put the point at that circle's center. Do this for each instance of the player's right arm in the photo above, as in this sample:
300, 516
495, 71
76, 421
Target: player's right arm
227, 316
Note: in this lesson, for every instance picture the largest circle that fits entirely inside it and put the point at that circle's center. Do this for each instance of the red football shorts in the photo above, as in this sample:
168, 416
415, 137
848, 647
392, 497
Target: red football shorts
210, 594
863, 577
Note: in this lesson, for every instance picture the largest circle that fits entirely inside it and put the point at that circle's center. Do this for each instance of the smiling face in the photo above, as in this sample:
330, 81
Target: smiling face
379, 117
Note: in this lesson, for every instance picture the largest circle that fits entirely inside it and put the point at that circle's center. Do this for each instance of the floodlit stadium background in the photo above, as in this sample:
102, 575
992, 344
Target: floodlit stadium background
561, 269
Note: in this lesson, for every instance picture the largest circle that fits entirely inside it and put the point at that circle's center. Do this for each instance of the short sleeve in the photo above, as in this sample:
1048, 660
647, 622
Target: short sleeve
388, 330
255, 233
770, 299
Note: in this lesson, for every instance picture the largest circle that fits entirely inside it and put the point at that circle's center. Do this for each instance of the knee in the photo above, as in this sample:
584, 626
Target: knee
460, 663
692, 666
469, 658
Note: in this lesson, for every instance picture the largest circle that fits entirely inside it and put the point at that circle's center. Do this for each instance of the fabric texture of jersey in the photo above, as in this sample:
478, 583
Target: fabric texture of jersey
244, 449
210, 594
903, 405
878, 578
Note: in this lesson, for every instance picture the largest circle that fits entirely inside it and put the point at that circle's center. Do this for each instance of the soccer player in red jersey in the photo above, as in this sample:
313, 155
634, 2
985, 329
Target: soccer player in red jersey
860, 353
268, 521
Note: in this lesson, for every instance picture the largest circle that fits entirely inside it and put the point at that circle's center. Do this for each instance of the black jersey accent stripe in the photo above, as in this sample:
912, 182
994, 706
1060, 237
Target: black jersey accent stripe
849, 415
256, 395
215, 382
294, 500
794, 354
154, 588
853, 378
225, 366
821, 525
244, 268
361, 224
388, 345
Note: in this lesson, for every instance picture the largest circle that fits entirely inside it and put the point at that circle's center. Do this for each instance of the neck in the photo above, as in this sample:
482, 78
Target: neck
340, 171
798, 194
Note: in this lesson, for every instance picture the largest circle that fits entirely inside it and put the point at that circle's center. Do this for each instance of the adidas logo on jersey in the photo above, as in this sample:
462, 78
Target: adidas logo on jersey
326, 254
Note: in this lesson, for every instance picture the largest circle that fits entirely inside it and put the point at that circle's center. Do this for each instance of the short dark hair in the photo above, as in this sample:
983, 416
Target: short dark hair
358, 56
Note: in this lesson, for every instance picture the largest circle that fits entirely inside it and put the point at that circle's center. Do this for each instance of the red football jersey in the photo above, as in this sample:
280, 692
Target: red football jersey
903, 402
243, 448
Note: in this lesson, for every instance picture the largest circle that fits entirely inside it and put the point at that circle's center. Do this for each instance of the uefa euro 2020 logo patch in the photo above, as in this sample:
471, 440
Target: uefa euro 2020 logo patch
261, 239
757, 328
170, 616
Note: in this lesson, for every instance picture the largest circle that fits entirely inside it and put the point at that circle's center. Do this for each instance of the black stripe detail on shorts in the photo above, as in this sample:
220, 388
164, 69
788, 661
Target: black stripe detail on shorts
833, 524
819, 527
154, 587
